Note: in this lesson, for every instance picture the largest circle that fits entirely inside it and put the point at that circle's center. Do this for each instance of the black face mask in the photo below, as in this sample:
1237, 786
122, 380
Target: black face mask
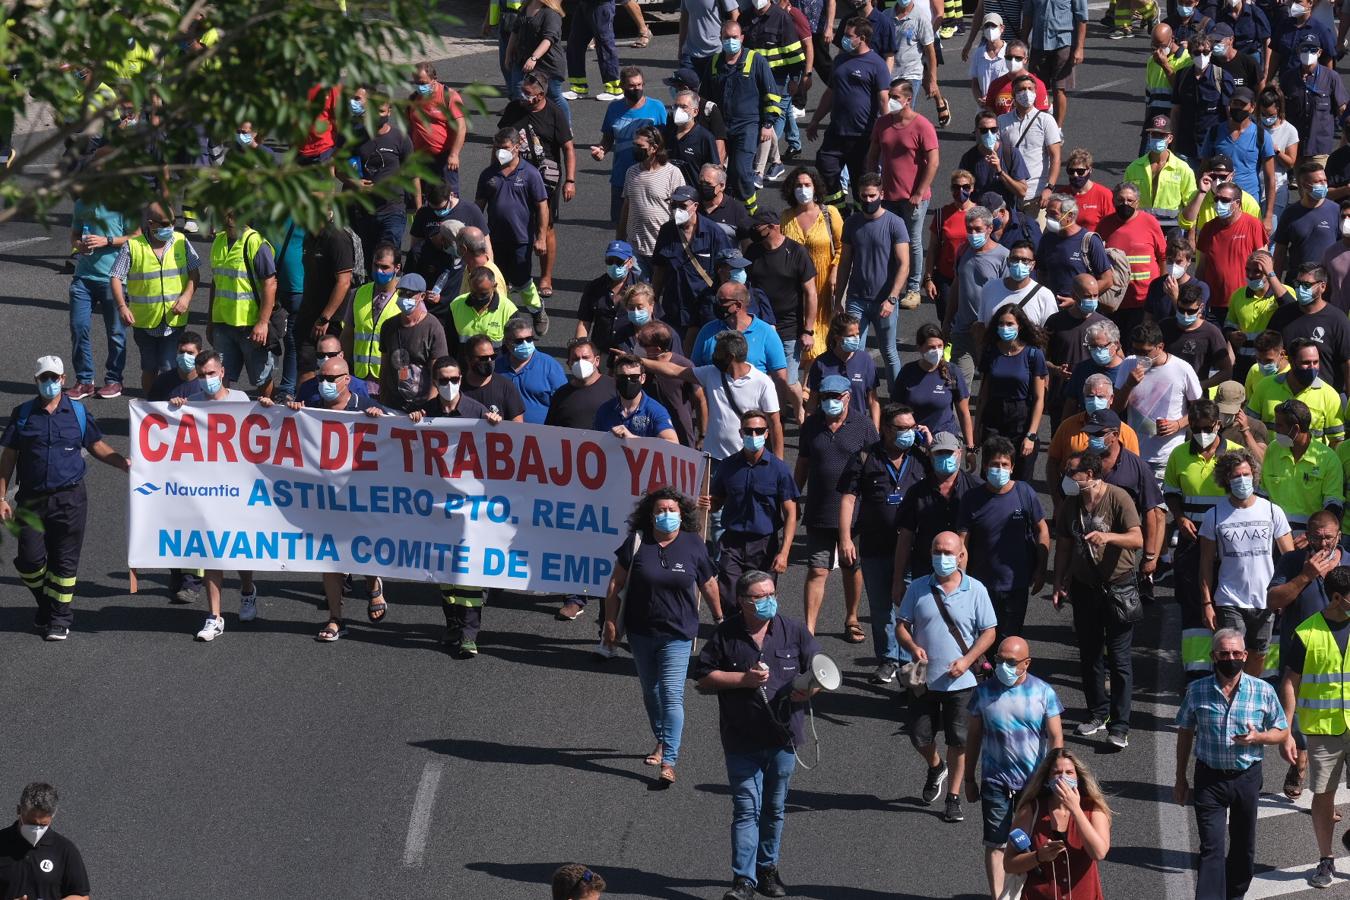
640, 154
871, 206
478, 301
633, 97
706, 191
483, 368
629, 389
1239, 115
383, 121
1125, 212
1228, 668
1302, 375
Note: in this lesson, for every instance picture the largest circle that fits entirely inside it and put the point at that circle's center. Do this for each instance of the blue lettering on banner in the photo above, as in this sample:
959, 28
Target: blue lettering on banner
565, 516
512, 563
477, 507
243, 545
379, 499
403, 553
576, 569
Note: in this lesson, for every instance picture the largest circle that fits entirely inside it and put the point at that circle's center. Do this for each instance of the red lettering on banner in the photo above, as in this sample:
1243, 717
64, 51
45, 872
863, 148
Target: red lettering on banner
594, 479
532, 461
186, 443
253, 451
635, 469
288, 445
333, 445
434, 446
466, 457
220, 438
500, 464
656, 475
364, 445
562, 473
407, 437
152, 452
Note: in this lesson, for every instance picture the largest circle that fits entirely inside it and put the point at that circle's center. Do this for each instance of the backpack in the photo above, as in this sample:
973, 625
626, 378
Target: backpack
359, 274
81, 415
1120, 269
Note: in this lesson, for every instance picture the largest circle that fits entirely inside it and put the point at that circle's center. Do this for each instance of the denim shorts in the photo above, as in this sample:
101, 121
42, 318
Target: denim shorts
998, 806
1256, 625
157, 350
793, 351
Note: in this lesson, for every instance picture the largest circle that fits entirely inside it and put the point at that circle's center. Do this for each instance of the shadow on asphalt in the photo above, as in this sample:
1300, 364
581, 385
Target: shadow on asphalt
1155, 859
581, 759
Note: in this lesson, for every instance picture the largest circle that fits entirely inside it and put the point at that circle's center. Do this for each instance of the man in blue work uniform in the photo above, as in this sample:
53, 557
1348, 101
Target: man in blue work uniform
858, 88
43, 440
1251, 28
685, 260
1289, 34
742, 83
768, 28
1200, 100
1315, 97
592, 20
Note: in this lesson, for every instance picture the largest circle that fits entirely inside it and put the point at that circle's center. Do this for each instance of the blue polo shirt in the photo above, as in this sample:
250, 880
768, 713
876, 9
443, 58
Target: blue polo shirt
649, 419
48, 446
931, 397
622, 123
859, 369
663, 585
752, 493
971, 612
1308, 233
537, 382
1135, 477
511, 201
765, 346
1002, 527
856, 81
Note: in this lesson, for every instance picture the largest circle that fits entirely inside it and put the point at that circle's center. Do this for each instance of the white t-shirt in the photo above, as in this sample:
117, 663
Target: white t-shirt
1244, 541
1040, 307
1163, 394
754, 391
1283, 135
1031, 136
984, 70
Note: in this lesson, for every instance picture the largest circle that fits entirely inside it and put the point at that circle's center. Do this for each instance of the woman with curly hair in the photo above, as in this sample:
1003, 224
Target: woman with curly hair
820, 229
1068, 822
1012, 392
661, 568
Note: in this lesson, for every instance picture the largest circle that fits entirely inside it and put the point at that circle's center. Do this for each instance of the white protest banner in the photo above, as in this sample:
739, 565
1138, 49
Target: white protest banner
222, 485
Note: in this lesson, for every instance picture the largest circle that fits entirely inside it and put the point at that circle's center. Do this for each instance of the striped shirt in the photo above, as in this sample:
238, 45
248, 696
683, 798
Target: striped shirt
1216, 720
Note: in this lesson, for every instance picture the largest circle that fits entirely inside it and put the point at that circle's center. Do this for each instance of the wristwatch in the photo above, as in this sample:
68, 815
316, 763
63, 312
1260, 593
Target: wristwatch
892, 299
322, 320
1031, 436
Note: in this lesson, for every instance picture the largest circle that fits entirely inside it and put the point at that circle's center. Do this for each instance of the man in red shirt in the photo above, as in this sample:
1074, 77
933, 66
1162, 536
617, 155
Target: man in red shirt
1000, 97
905, 146
1093, 199
436, 126
320, 145
1140, 237
1224, 245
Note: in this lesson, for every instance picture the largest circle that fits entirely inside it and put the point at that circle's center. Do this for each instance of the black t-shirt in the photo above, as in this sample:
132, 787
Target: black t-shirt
326, 254
542, 133
381, 156
1205, 349
52, 869
466, 408
1246, 73
696, 149
498, 395
677, 396
710, 117
1328, 328
530, 31
164, 385
828, 454
602, 308
573, 405
1068, 337
731, 216
781, 273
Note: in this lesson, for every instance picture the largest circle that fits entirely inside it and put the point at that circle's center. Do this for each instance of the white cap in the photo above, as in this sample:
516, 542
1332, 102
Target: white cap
49, 364
993, 19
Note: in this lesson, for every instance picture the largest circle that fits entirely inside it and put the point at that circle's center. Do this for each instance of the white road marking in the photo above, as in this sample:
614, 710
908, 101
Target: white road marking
1293, 880
1102, 87
22, 242
419, 825
1280, 805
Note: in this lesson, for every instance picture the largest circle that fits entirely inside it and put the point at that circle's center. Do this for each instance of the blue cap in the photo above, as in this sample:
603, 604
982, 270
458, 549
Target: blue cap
412, 283
733, 258
619, 250
683, 194
835, 384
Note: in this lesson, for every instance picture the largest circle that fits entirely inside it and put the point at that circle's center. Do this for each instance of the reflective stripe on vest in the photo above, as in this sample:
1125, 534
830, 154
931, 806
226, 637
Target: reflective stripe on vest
235, 302
1196, 644
153, 285
1324, 691
366, 331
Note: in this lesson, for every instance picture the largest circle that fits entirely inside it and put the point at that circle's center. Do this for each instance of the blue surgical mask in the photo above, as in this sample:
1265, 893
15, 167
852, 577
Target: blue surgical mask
382, 278
211, 383
1088, 304
49, 390
766, 607
1069, 781
444, 212
1019, 270
357, 107
847, 44
1101, 356
1185, 11
977, 239
186, 362
1269, 368
1007, 673
668, 522
1318, 191
329, 390
1241, 486
639, 317
944, 463
852, 343
619, 272
244, 138
832, 406
1186, 320
904, 439
1007, 332
1256, 285
407, 304
523, 350
944, 564
1304, 293
732, 46
164, 235
424, 89
1157, 145
752, 442
1094, 404
997, 476
1097, 443
988, 141
1223, 208
738, 276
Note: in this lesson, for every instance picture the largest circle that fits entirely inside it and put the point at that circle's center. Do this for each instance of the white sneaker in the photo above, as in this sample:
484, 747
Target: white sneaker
190, 226
798, 113
571, 95
602, 650
607, 97
248, 606
214, 627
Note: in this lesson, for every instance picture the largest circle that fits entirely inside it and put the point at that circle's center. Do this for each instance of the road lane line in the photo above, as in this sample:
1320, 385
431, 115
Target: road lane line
1293, 880
10, 245
1279, 805
419, 825
1102, 87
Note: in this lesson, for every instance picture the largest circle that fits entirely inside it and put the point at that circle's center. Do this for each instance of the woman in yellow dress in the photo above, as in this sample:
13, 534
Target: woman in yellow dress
820, 229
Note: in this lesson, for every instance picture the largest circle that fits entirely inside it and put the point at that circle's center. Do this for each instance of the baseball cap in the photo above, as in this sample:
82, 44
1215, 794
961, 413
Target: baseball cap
764, 217
944, 442
412, 283
619, 250
683, 194
993, 19
1220, 30
684, 76
1245, 95
1220, 161
835, 384
1159, 124
51, 364
1309, 40
991, 200
1230, 396
1096, 423
732, 257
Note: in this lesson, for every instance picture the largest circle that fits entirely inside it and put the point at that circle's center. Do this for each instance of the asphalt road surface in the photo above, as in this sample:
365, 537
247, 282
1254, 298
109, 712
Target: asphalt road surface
268, 765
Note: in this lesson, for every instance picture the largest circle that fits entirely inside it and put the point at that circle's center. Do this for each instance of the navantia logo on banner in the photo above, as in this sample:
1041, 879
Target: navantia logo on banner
181, 489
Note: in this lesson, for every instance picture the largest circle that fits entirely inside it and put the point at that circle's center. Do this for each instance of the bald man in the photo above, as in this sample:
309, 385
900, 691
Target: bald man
1014, 721
1166, 60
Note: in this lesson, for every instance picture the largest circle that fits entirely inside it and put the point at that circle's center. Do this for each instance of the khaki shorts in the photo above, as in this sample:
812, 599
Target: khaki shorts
1326, 759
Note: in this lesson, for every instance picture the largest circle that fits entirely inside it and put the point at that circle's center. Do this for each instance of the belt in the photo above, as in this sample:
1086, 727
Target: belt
37, 495
1230, 773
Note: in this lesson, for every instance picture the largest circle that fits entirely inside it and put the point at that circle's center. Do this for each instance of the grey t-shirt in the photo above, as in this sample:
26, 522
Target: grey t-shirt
704, 35
871, 243
973, 272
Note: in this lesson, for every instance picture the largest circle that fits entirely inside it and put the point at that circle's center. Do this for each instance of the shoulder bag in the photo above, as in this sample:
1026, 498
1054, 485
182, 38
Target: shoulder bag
980, 672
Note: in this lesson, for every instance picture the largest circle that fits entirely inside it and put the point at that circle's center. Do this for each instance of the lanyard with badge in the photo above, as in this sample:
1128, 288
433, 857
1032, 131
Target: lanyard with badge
896, 495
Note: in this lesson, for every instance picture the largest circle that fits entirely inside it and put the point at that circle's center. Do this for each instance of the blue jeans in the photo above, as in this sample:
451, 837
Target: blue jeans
869, 314
759, 788
878, 573
913, 216
85, 294
662, 667
238, 355
290, 369
157, 350
515, 78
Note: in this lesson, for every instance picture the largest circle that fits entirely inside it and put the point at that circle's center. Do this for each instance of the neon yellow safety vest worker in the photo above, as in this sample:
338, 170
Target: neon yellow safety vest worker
235, 301
491, 321
366, 331
1324, 693
154, 284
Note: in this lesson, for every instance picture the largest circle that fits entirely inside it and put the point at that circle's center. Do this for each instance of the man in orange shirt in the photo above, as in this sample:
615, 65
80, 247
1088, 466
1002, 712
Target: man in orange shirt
1099, 394
1224, 245
436, 126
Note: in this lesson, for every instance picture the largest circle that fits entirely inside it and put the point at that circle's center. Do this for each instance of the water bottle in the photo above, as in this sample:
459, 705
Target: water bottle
84, 233
439, 287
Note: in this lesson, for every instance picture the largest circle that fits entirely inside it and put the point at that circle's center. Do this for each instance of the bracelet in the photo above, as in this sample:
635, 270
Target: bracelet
570, 181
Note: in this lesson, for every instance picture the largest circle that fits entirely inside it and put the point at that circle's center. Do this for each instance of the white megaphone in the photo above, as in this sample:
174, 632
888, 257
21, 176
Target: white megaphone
822, 673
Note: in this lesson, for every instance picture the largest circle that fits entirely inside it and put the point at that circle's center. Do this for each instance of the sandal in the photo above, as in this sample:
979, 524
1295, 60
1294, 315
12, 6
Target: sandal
667, 775
1293, 782
944, 111
377, 608
853, 633
545, 292
654, 758
643, 40
330, 632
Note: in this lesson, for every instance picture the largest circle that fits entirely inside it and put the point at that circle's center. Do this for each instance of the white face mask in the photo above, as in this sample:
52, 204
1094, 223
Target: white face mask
503, 157
681, 216
448, 392
1177, 270
933, 357
806, 194
1345, 227
583, 369
1309, 57
1205, 438
32, 833
1202, 60
1016, 65
680, 117
1025, 98
1052, 225
991, 33
894, 106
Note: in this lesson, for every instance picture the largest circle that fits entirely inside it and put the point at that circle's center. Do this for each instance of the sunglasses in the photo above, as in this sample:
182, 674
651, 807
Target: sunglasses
324, 357
963, 187
452, 379
523, 339
755, 431
48, 376
332, 379
488, 358
1079, 171
1307, 284
988, 131
631, 378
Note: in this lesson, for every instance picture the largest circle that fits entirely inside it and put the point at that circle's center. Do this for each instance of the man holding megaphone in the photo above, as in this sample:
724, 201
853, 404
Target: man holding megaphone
763, 667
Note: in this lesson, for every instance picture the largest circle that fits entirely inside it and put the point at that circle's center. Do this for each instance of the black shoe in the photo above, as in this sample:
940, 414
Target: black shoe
953, 811
790, 155
741, 889
57, 633
932, 785
770, 885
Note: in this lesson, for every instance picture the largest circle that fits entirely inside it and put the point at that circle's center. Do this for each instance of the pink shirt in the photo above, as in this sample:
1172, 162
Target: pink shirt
902, 152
